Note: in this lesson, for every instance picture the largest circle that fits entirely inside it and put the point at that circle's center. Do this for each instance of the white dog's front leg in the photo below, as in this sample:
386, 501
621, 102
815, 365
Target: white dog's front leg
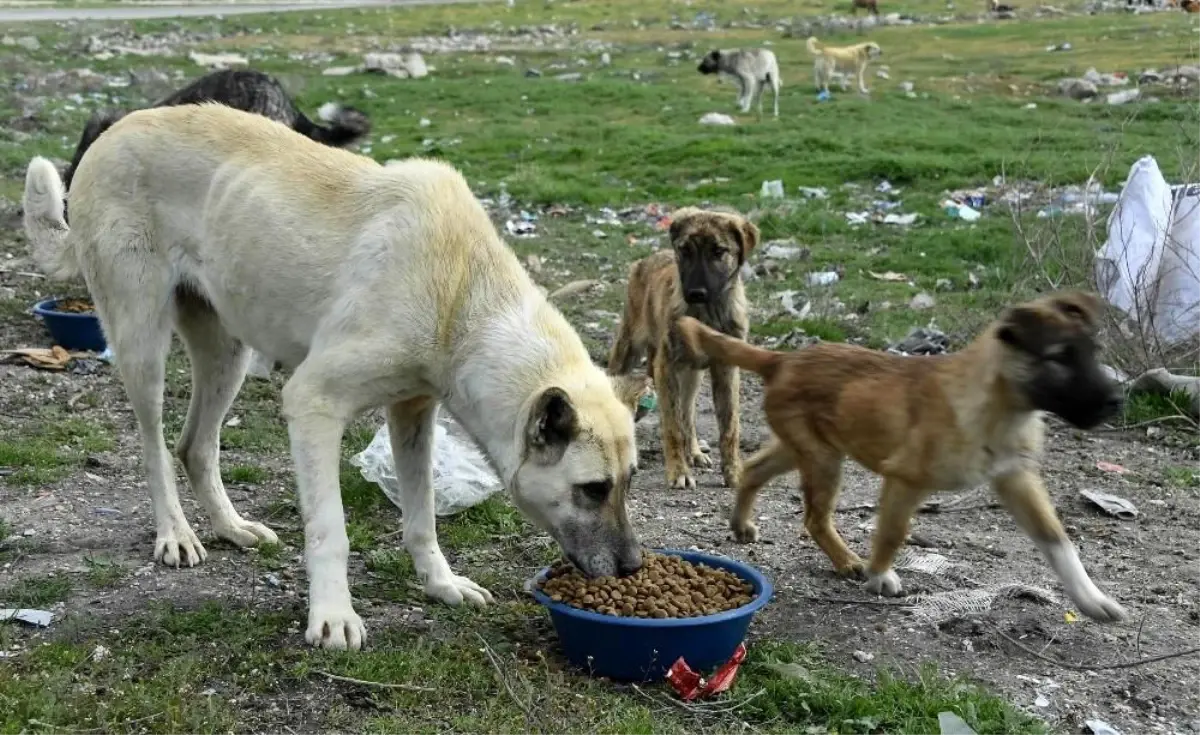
411, 430
316, 434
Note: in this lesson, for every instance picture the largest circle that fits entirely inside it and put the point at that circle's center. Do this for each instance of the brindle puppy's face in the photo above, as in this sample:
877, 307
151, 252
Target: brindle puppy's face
1053, 361
711, 63
710, 248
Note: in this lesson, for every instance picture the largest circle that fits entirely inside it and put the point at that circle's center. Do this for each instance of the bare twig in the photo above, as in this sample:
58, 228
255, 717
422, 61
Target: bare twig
376, 684
495, 661
1137, 644
1160, 420
1096, 667
849, 601
124, 723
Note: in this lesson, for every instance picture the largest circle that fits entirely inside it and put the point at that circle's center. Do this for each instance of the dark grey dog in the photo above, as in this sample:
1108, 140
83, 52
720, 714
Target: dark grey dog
249, 91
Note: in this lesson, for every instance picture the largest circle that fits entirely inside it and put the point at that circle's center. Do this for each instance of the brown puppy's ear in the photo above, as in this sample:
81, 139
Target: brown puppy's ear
1080, 305
1025, 329
747, 235
552, 425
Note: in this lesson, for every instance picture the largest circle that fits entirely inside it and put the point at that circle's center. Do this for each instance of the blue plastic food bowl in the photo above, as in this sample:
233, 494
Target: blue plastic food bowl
71, 331
642, 649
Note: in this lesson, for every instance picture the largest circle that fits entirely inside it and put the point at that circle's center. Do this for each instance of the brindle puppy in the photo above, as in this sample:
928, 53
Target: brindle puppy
700, 277
929, 424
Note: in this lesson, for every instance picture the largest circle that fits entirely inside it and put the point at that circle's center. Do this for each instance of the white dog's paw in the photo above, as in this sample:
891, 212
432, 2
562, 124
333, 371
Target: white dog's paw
683, 481
179, 546
886, 584
244, 533
455, 590
336, 627
1101, 608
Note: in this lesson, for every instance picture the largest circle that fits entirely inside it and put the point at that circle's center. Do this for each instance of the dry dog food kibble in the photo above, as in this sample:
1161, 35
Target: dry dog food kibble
665, 587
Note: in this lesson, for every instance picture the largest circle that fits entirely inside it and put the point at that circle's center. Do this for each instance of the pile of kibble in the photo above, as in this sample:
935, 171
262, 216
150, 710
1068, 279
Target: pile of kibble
665, 587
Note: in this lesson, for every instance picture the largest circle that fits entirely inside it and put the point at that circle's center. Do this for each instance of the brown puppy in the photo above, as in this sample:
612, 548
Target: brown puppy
700, 277
929, 424
870, 5
828, 60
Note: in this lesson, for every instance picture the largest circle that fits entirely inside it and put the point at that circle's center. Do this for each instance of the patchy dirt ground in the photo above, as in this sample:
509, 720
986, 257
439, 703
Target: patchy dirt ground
101, 510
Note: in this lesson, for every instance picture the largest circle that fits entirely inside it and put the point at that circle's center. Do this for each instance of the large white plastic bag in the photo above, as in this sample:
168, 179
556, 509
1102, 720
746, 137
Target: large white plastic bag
461, 476
1130, 259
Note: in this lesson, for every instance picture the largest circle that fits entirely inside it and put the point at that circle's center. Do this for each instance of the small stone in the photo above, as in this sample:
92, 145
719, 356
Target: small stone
273, 580
863, 657
605, 59
28, 532
943, 284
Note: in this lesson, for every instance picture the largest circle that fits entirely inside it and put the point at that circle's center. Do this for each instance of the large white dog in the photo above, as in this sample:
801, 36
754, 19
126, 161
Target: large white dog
381, 286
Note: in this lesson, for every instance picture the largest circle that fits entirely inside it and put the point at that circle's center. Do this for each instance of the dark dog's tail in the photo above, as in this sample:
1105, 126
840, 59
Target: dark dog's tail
344, 125
96, 125
726, 349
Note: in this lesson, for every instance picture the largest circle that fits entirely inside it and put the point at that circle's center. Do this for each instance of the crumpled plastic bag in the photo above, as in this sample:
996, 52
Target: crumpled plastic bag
462, 476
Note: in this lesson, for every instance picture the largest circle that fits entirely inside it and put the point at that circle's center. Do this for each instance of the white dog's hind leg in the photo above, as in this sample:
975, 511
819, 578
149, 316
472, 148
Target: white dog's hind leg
411, 430
316, 421
137, 324
218, 366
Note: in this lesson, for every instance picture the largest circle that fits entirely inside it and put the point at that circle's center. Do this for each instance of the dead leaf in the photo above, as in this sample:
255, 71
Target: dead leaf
1110, 467
54, 358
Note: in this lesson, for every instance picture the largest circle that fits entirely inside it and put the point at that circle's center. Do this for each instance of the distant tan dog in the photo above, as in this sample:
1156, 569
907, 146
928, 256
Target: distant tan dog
929, 424
831, 59
700, 277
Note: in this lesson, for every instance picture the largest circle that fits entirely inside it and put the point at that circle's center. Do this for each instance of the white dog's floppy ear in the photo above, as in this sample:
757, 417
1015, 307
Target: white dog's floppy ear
552, 425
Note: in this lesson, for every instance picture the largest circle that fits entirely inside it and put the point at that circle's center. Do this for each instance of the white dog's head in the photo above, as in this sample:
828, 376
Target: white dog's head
579, 454
873, 50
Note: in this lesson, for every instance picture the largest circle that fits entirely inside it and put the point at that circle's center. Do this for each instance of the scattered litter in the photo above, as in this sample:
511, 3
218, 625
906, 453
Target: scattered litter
1123, 97
599, 234
961, 211
900, 219
1116, 79
854, 219
106, 511
935, 564
1030, 106
575, 288
1070, 617
717, 118
771, 189
951, 724
824, 96
1100, 727
403, 66
863, 657
571, 76
461, 476
1110, 467
520, 228
53, 358
39, 618
99, 653
1065, 46
923, 340
813, 192
788, 300
218, 61
1041, 701
941, 607
907, 89
1113, 505
785, 250
883, 187
922, 301
890, 276
823, 278
690, 685
1077, 89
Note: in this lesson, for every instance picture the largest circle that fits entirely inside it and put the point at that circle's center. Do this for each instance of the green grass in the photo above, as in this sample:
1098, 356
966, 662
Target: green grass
52, 450
217, 668
36, 591
244, 474
104, 572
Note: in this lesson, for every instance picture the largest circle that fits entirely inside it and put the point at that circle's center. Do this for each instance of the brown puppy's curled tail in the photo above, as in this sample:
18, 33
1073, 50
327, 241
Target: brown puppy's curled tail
723, 348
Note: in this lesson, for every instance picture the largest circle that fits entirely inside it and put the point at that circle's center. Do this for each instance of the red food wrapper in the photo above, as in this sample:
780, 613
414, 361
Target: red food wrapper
690, 685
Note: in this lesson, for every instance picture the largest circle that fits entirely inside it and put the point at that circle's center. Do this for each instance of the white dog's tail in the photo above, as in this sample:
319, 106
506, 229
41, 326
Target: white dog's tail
46, 222
813, 46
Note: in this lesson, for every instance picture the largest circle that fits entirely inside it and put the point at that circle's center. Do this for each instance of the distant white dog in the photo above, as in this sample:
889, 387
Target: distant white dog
751, 68
831, 59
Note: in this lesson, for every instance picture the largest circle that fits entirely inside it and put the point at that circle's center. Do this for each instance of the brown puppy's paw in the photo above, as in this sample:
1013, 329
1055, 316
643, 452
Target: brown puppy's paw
700, 459
744, 532
852, 568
